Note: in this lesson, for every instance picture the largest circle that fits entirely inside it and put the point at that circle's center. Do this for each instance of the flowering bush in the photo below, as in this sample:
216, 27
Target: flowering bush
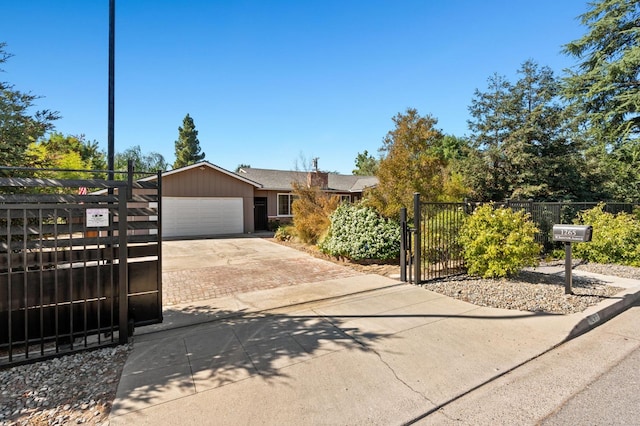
615, 239
358, 233
498, 242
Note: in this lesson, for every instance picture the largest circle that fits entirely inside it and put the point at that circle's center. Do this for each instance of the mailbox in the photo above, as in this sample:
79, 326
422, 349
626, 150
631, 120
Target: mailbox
572, 233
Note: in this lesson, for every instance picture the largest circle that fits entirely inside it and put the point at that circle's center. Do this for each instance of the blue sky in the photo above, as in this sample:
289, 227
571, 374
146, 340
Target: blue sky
275, 83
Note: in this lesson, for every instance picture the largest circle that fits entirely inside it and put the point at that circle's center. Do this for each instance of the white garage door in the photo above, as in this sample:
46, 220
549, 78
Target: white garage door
190, 216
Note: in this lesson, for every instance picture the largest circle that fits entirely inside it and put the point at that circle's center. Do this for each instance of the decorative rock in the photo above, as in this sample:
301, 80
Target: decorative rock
59, 391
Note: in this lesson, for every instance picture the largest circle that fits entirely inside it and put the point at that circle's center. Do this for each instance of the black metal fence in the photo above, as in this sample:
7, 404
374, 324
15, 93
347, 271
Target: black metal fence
77, 270
430, 248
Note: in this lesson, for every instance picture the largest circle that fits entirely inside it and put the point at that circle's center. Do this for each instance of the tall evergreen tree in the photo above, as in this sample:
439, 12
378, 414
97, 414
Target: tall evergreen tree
526, 146
490, 127
187, 145
605, 92
606, 84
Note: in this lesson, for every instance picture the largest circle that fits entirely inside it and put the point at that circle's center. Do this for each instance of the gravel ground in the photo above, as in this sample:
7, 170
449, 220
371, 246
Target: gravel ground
80, 389
74, 389
529, 291
613, 270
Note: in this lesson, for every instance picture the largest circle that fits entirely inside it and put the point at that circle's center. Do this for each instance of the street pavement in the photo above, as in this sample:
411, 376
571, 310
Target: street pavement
363, 349
612, 399
590, 380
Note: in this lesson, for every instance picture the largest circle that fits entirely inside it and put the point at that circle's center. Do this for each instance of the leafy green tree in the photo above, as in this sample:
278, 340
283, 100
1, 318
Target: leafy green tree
366, 164
65, 157
51, 153
18, 128
410, 164
451, 147
142, 162
187, 145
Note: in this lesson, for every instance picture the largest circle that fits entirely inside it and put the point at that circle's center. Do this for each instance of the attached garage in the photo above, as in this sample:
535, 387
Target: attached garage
191, 216
203, 199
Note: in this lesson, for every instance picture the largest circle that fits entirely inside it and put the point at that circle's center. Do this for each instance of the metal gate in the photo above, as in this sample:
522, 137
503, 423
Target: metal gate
77, 270
429, 245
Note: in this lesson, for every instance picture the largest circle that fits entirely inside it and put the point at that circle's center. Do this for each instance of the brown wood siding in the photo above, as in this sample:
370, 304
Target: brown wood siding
272, 201
206, 182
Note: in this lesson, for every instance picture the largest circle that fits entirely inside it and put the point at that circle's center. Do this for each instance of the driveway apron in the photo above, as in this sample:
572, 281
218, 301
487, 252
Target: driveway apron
383, 353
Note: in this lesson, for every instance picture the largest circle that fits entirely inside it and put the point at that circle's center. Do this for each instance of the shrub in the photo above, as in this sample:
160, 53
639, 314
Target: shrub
615, 239
274, 224
311, 211
498, 242
284, 233
358, 232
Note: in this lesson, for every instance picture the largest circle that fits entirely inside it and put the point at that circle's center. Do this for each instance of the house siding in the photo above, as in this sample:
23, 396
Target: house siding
272, 201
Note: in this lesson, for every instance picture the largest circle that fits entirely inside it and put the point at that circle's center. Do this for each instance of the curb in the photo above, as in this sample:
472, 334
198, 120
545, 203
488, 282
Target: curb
603, 314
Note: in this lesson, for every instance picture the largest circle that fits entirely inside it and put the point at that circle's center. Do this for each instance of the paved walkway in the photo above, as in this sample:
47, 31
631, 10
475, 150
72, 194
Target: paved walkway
362, 349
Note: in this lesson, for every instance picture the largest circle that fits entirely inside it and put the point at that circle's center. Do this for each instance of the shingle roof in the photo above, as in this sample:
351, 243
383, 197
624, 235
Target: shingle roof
201, 164
282, 179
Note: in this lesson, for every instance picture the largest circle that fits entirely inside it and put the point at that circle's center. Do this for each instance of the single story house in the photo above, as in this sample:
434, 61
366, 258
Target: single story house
205, 199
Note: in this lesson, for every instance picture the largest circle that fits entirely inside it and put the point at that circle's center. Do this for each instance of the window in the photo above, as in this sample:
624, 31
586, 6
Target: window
345, 198
285, 202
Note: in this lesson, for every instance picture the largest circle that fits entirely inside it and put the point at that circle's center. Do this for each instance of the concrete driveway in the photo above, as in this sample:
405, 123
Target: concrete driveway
354, 350
196, 270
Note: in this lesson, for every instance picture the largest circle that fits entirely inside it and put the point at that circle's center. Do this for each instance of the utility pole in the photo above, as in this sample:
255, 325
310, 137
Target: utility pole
110, 141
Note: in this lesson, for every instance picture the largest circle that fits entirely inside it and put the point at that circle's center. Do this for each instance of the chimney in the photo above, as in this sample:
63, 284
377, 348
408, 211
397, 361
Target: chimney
319, 179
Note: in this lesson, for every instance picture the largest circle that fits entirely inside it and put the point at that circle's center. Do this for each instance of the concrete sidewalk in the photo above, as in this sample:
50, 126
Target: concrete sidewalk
357, 350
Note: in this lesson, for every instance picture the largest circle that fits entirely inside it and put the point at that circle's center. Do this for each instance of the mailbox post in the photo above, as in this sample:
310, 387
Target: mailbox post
570, 234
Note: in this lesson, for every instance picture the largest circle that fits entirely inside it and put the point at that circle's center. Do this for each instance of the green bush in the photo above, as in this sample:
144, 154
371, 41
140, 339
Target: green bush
284, 233
615, 239
498, 242
358, 233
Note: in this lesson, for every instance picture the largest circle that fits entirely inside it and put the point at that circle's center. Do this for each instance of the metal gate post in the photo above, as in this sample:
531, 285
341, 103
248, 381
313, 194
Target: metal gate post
417, 256
123, 277
403, 244
159, 277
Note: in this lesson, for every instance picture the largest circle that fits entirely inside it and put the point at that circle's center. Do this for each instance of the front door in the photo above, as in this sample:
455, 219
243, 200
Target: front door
261, 221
